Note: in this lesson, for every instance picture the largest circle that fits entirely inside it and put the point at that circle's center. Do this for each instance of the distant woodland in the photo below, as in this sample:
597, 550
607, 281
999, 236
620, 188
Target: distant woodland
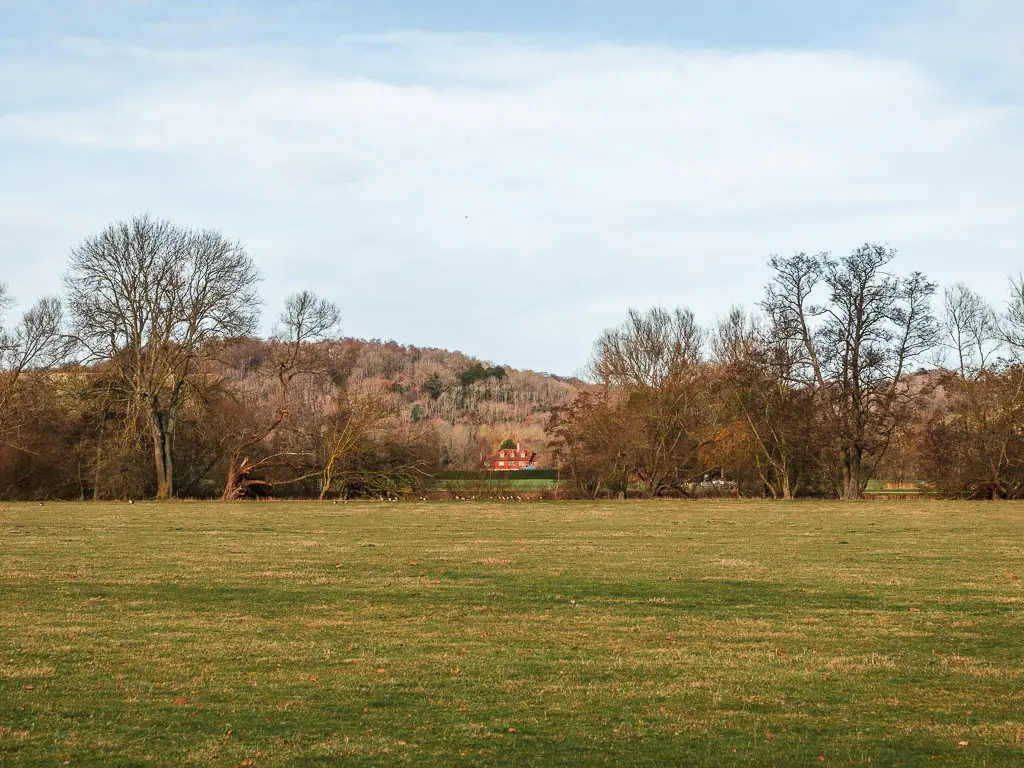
147, 378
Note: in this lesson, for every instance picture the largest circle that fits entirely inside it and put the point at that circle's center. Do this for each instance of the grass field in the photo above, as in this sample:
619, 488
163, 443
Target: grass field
495, 634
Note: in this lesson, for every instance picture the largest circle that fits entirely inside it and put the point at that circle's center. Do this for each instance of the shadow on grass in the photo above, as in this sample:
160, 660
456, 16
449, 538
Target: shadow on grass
714, 599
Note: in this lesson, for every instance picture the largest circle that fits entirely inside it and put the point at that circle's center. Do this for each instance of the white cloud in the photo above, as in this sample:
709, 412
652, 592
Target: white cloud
512, 199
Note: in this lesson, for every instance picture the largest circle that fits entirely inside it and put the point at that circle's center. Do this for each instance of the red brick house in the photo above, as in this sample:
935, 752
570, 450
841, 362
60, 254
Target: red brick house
508, 459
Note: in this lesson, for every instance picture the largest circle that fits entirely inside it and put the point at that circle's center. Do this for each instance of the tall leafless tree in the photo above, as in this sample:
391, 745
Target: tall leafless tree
151, 298
35, 342
1011, 323
648, 349
855, 348
970, 330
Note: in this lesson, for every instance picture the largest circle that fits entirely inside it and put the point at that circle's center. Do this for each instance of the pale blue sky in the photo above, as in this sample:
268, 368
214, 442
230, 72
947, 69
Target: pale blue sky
433, 165
726, 23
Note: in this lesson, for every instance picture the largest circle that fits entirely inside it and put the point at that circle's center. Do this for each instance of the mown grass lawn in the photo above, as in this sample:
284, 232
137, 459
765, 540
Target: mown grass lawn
497, 634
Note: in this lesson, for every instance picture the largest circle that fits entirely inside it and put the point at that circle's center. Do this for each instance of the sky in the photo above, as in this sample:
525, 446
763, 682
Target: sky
509, 178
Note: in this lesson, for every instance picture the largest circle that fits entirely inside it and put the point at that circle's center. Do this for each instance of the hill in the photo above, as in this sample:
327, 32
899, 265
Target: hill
472, 404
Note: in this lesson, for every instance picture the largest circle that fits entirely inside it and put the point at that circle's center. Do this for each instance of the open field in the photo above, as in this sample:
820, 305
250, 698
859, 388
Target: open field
669, 633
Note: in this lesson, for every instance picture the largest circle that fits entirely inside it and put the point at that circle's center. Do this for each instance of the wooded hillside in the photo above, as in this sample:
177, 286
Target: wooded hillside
472, 404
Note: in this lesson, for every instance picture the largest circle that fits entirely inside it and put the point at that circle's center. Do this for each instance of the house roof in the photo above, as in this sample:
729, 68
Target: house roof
512, 454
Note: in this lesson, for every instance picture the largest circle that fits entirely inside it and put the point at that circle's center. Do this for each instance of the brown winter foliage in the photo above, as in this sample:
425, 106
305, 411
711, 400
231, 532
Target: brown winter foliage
148, 379
369, 417
846, 377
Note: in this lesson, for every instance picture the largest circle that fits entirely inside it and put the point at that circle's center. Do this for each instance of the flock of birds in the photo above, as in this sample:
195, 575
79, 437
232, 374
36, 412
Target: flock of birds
394, 499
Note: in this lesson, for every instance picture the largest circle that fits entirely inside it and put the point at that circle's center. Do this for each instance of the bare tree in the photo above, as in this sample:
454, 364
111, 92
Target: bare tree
349, 437
649, 349
1011, 324
306, 320
970, 329
855, 348
152, 298
653, 367
759, 390
35, 342
973, 446
591, 439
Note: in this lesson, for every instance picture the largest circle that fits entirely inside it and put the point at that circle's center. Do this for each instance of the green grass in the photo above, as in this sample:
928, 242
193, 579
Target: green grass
494, 634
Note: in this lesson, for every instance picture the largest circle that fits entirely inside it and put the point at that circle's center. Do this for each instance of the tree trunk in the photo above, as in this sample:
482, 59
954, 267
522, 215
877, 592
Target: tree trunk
237, 483
161, 469
787, 488
169, 457
233, 483
327, 478
163, 440
97, 473
853, 485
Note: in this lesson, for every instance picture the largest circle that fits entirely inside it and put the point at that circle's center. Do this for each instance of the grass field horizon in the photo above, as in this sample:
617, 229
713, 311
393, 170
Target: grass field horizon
657, 633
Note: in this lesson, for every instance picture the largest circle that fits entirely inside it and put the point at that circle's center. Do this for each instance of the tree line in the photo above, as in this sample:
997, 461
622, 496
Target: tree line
146, 381
147, 378
845, 372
